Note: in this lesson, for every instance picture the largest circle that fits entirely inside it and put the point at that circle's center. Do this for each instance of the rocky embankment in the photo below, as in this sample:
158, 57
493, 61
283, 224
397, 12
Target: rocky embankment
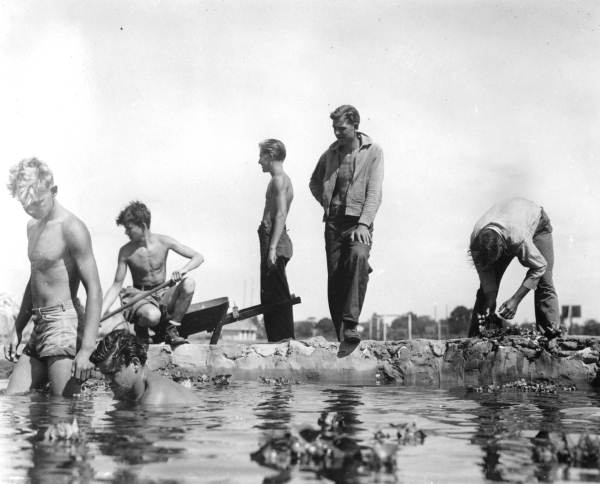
572, 360
459, 362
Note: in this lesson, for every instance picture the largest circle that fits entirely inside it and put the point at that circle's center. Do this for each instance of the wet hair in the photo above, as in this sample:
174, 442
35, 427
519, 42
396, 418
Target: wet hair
487, 247
136, 213
274, 148
346, 113
27, 178
120, 347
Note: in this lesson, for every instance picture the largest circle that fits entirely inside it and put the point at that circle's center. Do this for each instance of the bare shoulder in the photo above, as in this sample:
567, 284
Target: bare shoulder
126, 250
280, 182
165, 240
74, 229
164, 391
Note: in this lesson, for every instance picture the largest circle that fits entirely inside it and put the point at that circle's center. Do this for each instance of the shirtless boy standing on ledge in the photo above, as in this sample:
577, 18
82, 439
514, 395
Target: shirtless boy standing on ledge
146, 256
275, 244
60, 253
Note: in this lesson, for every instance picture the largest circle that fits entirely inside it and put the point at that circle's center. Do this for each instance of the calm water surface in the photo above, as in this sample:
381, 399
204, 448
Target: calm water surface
471, 438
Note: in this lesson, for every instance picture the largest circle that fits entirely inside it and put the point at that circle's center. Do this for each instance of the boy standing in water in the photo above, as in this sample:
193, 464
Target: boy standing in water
60, 254
275, 244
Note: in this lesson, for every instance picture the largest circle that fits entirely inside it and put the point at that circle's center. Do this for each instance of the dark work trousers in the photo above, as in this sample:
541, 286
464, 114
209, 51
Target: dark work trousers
348, 271
545, 298
279, 322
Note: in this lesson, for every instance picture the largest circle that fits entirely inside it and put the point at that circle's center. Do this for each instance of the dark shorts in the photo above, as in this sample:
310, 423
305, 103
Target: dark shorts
160, 299
56, 330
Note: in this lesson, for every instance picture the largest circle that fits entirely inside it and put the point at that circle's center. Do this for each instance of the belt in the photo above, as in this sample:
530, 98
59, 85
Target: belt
63, 306
147, 288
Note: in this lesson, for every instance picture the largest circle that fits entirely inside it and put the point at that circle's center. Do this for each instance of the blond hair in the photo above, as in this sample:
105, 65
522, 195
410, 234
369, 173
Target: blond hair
28, 177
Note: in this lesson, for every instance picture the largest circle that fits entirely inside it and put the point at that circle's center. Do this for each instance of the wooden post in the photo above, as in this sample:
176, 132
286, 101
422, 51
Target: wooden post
409, 325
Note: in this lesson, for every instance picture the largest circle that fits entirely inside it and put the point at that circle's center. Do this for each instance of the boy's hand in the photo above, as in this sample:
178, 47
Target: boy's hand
177, 276
272, 258
361, 234
10, 350
508, 308
82, 367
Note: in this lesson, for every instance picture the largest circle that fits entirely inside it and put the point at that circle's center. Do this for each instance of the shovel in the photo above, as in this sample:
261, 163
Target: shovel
137, 298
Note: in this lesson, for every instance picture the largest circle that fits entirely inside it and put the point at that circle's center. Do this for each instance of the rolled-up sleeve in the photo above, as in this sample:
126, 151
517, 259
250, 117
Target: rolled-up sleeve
530, 257
373, 190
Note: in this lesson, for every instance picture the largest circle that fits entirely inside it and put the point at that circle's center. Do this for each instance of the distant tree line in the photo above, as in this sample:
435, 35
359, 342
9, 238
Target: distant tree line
456, 325
590, 328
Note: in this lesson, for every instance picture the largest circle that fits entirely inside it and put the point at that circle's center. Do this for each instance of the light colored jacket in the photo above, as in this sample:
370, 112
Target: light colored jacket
364, 193
516, 220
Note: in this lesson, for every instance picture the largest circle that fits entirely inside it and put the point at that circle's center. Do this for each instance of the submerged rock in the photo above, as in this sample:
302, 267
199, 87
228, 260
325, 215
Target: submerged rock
331, 452
542, 386
555, 447
63, 431
221, 380
279, 381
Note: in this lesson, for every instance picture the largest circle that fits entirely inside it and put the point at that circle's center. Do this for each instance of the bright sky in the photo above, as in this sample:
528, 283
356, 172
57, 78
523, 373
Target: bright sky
165, 102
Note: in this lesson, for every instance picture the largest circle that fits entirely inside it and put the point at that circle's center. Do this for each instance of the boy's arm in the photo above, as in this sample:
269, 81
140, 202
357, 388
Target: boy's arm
24, 311
281, 211
373, 189
117, 285
316, 180
528, 255
79, 244
195, 258
10, 351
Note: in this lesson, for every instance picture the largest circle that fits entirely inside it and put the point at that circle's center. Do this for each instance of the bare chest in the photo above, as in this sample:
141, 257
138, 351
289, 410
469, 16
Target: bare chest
46, 246
148, 259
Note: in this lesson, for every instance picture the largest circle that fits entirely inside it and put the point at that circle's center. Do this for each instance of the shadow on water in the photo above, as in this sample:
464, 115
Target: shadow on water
480, 437
345, 402
128, 438
330, 450
273, 412
52, 463
526, 438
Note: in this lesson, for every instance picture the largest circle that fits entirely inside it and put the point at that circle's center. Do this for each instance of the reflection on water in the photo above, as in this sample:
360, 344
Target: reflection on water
471, 437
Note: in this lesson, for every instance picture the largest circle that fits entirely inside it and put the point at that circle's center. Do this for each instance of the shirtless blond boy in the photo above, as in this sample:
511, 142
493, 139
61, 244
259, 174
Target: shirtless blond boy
121, 358
61, 257
275, 244
146, 257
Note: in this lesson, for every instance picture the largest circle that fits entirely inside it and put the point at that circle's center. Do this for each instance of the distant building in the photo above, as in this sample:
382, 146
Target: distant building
241, 331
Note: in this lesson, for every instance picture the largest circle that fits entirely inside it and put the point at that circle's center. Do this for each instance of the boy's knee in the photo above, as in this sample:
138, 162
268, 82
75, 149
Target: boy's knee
188, 285
359, 253
148, 315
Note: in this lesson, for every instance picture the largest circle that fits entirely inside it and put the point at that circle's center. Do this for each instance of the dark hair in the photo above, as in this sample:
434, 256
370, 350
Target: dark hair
136, 213
274, 148
487, 247
120, 347
346, 113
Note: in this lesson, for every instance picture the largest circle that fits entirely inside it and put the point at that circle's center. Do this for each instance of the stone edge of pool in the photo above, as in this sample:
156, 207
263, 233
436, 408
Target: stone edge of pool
421, 362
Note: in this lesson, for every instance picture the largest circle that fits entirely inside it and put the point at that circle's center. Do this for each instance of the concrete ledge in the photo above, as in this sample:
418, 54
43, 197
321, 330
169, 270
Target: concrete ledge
448, 363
